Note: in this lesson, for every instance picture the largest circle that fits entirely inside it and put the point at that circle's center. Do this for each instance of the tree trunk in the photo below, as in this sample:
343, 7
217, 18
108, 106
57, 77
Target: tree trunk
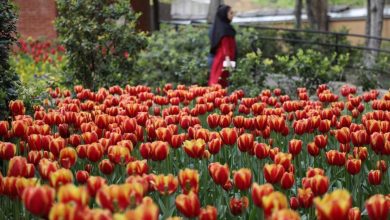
156, 14
298, 14
317, 14
374, 27
213, 7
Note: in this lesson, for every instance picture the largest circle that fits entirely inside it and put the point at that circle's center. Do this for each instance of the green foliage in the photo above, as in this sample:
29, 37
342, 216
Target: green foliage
39, 61
251, 73
290, 3
180, 55
248, 40
101, 41
9, 81
317, 42
376, 76
175, 57
312, 67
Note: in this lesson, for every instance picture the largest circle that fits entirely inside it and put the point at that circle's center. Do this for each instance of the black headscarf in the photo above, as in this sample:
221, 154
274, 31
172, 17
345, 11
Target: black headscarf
221, 28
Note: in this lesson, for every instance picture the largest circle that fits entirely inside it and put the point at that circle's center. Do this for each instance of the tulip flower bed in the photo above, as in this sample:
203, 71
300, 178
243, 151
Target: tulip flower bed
197, 152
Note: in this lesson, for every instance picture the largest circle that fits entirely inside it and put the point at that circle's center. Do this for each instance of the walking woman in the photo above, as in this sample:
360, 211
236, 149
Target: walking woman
223, 45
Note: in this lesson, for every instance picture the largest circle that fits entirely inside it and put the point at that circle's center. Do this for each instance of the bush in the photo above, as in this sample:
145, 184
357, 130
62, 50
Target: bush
248, 40
180, 54
174, 56
100, 39
9, 81
250, 74
312, 67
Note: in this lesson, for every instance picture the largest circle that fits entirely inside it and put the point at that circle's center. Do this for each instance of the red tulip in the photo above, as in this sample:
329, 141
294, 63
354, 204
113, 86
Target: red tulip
319, 184
61, 177
17, 107
283, 159
194, 148
294, 203
273, 172
165, 185
229, 136
17, 167
38, 200
238, 206
242, 179
82, 176
214, 146
377, 142
294, 146
68, 157
261, 150
189, 180
334, 205
305, 197
219, 173
335, 158
378, 207
375, 177
208, 213
259, 191
94, 183
273, 202
287, 180
177, 140
353, 166
354, 214
94, 152
138, 167
188, 205
245, 142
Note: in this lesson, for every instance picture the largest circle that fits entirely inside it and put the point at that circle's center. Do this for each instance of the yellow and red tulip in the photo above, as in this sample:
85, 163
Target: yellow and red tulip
273, 202
378, 207
208, 213
165, 185
194, 148
335, 205
238, 206
273, 172
259, 191
38, 200
242, 178
189, 180
188, 205
219, 173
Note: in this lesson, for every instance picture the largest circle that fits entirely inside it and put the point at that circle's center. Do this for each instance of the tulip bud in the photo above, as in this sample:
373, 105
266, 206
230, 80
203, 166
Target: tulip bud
375, 177
287, 180
353, 166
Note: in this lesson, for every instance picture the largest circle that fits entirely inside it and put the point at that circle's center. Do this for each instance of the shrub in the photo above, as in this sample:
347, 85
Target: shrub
251, 73
9, 81
312, 67
175, 56
100, 39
